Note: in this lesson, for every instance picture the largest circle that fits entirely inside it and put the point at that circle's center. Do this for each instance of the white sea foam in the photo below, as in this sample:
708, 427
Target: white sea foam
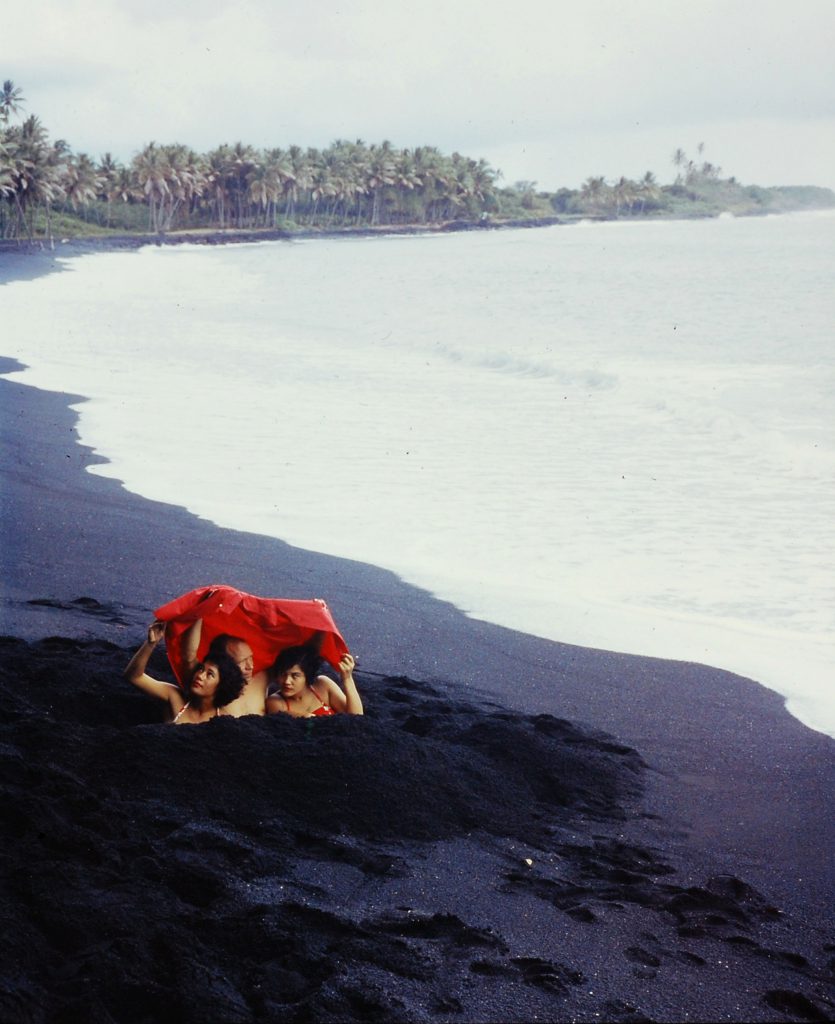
619, 436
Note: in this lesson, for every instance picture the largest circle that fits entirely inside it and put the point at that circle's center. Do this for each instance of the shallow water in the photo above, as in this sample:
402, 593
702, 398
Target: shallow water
616, 435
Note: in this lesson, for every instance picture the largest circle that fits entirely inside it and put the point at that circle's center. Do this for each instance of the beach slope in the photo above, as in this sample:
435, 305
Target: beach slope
516, 830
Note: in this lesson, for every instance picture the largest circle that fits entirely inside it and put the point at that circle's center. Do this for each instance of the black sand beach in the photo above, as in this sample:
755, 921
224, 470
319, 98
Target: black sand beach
516, 830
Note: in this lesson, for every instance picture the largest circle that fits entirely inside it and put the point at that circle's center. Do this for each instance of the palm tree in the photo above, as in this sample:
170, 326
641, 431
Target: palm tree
259, 188
680, 160
11, 100
458, 187
648, 190
240, 166
356, 159
186, 177
343, 162
709, 171
82, 181
594, 193
7, 183
108, 171
484, 183
380, 175
216, 164
322, 185
237, 184
625, 194
434, 174
151, 171
297, 182
121, 188
32, 174
6, 166
277, 171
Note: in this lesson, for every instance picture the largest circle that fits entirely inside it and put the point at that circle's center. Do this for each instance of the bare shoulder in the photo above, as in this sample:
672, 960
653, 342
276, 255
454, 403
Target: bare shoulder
329, 693
176, 700
276, 704
259, 681
323, 686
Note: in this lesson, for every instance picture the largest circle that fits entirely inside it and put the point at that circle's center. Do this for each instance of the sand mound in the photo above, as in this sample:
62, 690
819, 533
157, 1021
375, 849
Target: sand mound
436, 859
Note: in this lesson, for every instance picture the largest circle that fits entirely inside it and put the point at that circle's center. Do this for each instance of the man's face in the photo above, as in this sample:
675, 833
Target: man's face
241, 654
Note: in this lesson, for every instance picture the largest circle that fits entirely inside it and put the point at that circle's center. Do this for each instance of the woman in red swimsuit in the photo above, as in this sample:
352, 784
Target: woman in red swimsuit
214, 682
299, 690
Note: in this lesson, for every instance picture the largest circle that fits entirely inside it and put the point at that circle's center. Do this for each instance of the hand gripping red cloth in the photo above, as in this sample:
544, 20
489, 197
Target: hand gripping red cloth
268, 624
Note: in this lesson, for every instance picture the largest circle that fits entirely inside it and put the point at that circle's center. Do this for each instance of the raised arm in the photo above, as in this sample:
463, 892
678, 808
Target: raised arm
346, 700
135, 671
189, 642
353, 703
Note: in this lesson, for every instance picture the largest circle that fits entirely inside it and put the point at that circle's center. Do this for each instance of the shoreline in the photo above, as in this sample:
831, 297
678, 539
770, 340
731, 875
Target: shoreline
624, 638
77, 245
731, 786
80, 244
591, 683
491, 649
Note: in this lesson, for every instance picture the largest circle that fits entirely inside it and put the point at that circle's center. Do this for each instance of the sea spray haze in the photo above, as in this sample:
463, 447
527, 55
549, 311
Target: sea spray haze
616, 435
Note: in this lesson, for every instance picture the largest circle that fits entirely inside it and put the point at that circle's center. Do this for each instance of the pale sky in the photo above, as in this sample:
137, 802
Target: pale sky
545, 90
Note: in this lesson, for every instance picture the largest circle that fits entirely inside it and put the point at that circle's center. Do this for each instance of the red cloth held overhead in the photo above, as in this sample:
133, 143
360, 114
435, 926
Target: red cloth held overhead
268, 624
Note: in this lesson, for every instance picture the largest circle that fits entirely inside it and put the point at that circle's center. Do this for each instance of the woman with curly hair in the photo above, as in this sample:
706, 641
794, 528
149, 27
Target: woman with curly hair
214, 682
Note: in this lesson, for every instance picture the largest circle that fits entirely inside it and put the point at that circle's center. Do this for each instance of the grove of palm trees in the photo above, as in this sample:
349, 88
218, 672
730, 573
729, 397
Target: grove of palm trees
45, 188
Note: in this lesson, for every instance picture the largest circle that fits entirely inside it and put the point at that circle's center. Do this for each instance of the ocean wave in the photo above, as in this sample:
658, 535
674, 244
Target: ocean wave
536, 369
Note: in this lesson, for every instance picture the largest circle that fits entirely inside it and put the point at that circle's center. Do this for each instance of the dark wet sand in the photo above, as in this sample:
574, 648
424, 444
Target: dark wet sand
517, 829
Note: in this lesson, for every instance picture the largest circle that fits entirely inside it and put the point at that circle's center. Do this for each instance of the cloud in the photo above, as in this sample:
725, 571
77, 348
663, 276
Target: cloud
479, 76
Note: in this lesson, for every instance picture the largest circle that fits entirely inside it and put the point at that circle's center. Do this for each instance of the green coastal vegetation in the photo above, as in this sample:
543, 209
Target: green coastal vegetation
48, 191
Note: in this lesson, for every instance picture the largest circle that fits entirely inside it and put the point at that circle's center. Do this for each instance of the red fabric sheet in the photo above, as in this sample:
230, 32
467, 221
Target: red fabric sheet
268, 624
